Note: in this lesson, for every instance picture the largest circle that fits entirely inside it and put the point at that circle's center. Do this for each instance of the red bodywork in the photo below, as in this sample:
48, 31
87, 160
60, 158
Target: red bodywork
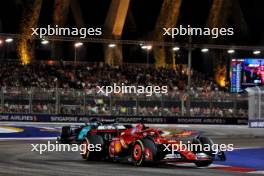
129, 136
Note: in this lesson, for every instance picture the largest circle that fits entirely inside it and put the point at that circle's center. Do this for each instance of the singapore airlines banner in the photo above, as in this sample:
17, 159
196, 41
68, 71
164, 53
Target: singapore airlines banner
123, 119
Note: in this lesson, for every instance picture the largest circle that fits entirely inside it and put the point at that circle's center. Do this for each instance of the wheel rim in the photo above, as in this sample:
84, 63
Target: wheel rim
85, 144
111, 150
137, 152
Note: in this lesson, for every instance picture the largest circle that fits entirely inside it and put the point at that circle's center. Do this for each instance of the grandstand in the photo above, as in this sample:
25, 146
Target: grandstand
66, 88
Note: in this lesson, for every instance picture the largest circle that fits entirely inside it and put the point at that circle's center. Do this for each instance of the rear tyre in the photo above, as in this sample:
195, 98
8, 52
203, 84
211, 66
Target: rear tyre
138, 153
93, 153
150, 150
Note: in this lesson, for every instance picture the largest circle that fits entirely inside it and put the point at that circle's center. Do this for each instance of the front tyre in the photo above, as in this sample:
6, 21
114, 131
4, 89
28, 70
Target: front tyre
65, 135
204, 142
203, 163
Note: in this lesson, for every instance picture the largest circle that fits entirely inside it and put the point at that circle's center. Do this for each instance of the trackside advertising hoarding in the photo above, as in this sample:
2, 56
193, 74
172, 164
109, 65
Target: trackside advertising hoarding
256, 123
124, 119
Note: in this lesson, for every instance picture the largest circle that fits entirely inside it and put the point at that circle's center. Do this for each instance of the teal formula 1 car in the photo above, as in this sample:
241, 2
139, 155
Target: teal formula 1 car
76, 134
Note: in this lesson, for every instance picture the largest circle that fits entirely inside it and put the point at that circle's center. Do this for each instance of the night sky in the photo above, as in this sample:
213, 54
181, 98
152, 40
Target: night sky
145, 13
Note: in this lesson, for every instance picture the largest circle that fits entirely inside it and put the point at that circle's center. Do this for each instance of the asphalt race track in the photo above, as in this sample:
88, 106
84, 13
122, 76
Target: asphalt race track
18, 159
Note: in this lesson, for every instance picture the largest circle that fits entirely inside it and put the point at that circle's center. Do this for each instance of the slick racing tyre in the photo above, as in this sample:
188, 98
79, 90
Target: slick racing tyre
150, 150
203, 163
144, 151
205, 142
65, 134
138, 153
220, 154
92, 147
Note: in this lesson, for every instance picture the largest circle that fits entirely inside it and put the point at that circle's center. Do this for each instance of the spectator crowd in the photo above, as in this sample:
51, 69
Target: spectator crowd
86, 78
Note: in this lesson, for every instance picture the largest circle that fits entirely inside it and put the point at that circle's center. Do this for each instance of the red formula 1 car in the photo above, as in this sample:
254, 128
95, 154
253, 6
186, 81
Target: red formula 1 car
141, 145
